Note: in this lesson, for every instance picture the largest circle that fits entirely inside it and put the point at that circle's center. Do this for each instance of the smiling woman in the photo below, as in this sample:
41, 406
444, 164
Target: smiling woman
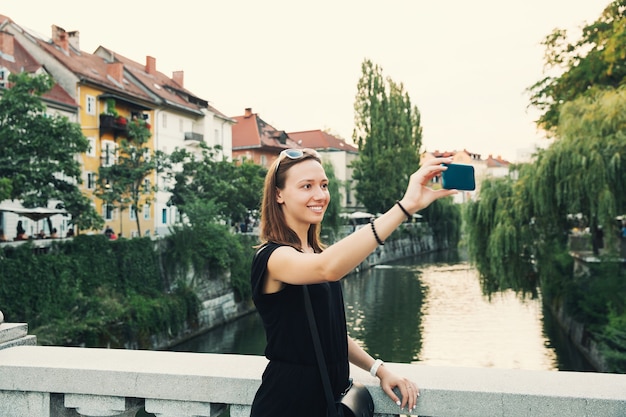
293, 268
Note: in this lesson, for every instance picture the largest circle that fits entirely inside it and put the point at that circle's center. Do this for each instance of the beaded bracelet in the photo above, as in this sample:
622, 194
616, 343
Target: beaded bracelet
380, 242
406, 213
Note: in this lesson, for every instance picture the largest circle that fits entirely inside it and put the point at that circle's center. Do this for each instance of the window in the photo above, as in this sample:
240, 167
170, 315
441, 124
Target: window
164, 216
146, 212
4, 77
107, 212
133, 213
146, 185
92, 146
90, 108
91, 180
107, 153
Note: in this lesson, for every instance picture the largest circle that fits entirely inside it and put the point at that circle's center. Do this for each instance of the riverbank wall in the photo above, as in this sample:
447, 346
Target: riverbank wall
578, 333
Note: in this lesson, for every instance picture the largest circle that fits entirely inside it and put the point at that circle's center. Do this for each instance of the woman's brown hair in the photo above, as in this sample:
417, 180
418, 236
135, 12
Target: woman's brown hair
274, 228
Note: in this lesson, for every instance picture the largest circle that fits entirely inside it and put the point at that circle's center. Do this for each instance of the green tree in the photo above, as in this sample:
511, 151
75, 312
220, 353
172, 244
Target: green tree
586, 166
233, 189
5, 188
38, 150
594, 60
126, 183
389, 136
501, 240
332, 219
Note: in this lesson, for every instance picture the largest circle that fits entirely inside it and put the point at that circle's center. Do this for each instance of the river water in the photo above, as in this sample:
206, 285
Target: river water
429, 309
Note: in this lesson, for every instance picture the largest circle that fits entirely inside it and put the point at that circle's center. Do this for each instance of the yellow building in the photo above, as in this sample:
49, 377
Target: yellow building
102, 90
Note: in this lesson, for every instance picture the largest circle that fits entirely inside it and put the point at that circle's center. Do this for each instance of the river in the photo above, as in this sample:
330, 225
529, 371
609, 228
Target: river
429, 309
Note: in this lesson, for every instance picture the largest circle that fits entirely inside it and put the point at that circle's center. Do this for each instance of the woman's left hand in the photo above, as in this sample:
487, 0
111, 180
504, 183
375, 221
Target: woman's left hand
408, 389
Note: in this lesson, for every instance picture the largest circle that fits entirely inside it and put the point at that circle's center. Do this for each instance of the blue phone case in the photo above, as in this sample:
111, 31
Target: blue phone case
458, 177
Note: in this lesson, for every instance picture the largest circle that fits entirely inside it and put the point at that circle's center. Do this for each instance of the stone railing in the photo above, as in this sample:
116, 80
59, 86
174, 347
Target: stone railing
45, 381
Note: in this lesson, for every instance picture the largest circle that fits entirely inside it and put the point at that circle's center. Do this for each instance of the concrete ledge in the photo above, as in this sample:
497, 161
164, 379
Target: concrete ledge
15, 334
202, 379
11, 331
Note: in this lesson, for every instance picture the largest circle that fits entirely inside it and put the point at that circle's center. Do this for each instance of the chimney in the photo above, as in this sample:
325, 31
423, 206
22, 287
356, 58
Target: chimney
6, 44
179, 77
74, 38
248, 112
150, 65
60, 38
116, 71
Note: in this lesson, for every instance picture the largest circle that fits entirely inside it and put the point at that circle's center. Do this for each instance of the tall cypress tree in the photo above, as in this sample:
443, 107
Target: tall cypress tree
389, 136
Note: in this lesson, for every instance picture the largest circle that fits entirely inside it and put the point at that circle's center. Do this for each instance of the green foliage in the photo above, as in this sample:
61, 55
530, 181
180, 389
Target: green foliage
445, 219
5, 188
203, 245
89, 291
233, 189
613, 342
389, 136
241, 264
332, 220
39, 151
594, 60
500, 234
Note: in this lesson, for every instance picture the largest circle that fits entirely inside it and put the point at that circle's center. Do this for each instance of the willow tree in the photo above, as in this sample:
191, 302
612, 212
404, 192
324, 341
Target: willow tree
502, 233
585, 170
389, 136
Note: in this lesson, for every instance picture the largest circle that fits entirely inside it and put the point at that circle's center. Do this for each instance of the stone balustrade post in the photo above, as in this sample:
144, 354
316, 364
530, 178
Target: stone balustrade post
14, 334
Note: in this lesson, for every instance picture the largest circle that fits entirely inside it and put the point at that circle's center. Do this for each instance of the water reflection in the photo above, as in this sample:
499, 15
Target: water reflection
383, 312
462, 327
428, 309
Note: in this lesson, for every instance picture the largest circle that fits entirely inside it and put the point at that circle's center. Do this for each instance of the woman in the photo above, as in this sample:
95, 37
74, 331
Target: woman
291, 255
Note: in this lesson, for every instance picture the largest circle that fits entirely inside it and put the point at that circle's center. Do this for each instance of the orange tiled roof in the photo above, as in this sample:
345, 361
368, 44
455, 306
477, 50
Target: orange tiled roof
90, 68
19, 60
497, 162
160, 85
318, 139
250, 131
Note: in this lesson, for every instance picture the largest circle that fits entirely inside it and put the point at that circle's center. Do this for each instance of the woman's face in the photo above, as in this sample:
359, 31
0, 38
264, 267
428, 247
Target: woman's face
305, 197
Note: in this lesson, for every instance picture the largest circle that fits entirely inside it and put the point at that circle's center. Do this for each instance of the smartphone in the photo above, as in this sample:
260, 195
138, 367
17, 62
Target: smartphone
458, 177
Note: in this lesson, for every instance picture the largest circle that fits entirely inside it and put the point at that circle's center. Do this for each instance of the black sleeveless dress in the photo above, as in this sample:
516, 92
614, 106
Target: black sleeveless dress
291, 385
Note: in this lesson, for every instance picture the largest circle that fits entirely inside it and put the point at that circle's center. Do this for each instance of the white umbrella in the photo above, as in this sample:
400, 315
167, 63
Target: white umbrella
35, 214
361, 215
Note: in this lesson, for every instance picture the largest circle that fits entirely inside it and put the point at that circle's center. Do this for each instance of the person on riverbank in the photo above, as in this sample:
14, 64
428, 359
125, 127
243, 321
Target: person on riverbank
291, 255
20, 232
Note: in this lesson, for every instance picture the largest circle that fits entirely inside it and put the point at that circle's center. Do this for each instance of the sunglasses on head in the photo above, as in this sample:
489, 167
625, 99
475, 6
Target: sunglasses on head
295, 154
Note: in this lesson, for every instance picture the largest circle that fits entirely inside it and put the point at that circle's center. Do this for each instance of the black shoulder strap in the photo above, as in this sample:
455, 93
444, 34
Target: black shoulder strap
321, 363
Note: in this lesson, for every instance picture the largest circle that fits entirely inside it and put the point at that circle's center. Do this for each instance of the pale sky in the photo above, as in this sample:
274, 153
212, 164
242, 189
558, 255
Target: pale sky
465, 64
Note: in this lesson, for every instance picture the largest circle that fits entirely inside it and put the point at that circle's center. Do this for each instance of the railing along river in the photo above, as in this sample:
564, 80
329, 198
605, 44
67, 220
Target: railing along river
40, 381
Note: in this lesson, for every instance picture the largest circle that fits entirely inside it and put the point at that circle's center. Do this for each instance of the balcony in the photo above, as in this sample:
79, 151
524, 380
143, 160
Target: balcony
113, 125
193, 136
47, 381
